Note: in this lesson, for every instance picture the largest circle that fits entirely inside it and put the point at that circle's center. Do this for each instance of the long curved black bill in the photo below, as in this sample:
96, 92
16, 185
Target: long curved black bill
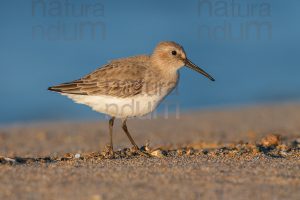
191, 65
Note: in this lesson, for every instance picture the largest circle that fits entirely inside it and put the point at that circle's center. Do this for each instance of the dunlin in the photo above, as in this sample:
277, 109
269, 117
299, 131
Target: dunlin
132, 86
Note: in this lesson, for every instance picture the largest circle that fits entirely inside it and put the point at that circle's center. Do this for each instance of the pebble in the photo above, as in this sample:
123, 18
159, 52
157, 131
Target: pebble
158, 153
270, 140
190, 152
7, 160
181, 152
10, 160
77, 155
283, 153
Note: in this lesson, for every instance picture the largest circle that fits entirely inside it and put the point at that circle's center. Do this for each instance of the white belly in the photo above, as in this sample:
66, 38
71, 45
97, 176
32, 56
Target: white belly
120, 107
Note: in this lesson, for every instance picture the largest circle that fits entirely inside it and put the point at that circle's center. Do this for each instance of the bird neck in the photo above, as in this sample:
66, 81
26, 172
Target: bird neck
165, 69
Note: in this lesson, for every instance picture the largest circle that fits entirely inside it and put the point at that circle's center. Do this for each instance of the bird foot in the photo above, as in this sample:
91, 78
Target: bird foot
108, 152
137, 150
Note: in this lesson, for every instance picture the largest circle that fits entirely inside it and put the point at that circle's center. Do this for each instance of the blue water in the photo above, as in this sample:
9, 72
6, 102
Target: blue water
252, 48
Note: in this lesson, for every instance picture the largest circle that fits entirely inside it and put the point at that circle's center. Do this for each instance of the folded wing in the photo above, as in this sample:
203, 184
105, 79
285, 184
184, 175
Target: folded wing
117, 79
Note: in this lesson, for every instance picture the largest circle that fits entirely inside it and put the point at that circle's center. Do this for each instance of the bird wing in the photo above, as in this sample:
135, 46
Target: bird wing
118, 79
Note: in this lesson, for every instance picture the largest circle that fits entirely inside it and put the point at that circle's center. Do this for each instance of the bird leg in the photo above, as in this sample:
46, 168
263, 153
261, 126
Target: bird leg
125, 129
111, 124
136, 148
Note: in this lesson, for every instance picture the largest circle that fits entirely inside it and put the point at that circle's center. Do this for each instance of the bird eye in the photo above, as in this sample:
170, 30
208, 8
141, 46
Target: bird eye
174, 53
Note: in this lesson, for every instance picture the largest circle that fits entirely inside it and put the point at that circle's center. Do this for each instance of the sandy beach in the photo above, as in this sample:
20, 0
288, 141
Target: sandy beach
238, 153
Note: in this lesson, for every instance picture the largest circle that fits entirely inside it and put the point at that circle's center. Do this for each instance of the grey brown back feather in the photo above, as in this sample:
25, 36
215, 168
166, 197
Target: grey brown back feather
118, 78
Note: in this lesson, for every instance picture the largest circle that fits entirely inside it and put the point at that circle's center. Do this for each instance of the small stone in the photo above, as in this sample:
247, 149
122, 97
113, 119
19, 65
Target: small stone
296, 143
283, 147
77, 155
205, 151
270, 140
190, 152
181, 152
158, 153
147, 147
10, 160
283, 153
66, 157
7, 160
255, 150
144, 148
213, 154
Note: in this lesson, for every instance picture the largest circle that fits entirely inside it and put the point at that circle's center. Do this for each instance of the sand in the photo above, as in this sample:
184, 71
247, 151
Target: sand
238, 153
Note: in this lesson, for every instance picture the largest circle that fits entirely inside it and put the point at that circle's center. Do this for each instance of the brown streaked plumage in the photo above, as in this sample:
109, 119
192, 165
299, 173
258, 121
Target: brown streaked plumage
141, 80
119, 78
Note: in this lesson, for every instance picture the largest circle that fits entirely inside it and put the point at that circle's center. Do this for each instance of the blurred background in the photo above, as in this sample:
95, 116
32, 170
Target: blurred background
252, 48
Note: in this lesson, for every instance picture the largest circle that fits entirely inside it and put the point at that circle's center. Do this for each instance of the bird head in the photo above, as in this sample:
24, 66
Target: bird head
170, 56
